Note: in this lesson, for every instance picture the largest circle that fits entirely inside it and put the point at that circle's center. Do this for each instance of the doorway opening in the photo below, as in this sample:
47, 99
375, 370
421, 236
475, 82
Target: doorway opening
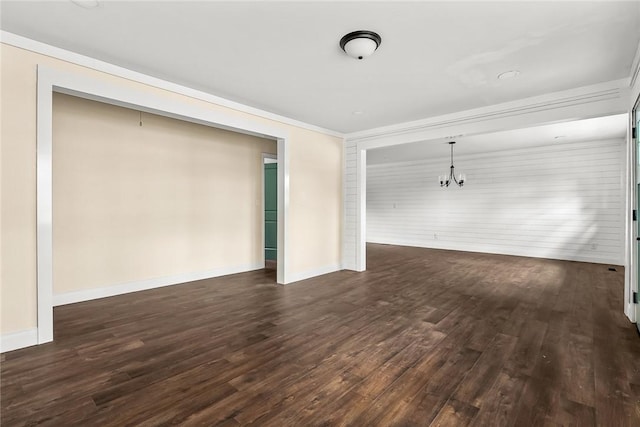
569, 204
270, 210
52, 80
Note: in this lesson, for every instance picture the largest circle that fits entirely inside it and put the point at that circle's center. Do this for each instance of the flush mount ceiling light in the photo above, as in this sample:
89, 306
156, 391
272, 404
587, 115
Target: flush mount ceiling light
360, 44
446, 179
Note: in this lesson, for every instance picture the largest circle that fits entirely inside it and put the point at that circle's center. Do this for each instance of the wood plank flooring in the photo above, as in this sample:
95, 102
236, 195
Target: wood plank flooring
424, 337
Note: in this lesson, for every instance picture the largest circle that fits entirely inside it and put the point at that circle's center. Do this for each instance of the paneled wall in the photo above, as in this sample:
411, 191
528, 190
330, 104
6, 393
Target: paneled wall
564, 201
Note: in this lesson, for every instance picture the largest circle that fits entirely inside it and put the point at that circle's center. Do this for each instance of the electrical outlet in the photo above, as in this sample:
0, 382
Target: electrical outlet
594, 246
435, 236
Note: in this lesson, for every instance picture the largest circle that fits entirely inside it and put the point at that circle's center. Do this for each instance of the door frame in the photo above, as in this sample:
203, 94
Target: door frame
634, 313
262, 182
119, 93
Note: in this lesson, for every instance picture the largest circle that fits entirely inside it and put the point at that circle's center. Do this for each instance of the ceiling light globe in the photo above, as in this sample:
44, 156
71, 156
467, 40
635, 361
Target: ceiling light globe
360, 48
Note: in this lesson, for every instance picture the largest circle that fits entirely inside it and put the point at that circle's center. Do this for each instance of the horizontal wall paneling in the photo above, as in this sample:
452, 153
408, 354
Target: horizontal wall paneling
561, 201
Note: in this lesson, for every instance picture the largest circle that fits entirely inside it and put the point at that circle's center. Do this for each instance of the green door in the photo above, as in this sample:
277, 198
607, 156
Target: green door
270, 211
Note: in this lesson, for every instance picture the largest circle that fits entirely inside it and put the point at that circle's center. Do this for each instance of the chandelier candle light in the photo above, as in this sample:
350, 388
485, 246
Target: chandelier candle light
447, 179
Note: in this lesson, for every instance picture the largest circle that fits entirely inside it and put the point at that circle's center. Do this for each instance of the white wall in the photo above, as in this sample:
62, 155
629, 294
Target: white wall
564, 201
350, 220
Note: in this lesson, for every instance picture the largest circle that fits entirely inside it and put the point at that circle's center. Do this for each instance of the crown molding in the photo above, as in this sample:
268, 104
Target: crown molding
118, 71
567, 146
613, 90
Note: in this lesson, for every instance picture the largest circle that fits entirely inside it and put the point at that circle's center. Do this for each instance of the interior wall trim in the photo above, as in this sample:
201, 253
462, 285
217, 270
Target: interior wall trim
523, 151
524, 253
613, 90
105, 67
635, 68
262, 223
303, 275
143, 285
16, 340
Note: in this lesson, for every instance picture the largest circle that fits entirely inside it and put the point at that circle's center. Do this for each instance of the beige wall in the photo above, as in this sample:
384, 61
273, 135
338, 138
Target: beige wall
138, 202
315, 185
316, 209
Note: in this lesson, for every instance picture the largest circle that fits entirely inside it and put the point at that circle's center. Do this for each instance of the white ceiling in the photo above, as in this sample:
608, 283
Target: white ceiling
601, 128
435, 57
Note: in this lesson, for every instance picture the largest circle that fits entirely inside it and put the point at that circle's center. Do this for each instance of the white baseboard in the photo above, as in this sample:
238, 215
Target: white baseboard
349, 265
143, 285
16, 340
296, 277
551, 254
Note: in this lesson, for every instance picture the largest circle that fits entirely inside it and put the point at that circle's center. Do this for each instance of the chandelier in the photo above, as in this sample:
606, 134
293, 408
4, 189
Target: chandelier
447, 179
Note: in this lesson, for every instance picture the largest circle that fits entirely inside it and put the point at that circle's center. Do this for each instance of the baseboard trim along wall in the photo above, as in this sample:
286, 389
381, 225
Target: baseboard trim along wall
143, 285
303, 275
524, 252
16, 340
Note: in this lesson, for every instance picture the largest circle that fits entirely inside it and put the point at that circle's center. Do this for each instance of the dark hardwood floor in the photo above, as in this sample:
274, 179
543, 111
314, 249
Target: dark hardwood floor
424, 337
